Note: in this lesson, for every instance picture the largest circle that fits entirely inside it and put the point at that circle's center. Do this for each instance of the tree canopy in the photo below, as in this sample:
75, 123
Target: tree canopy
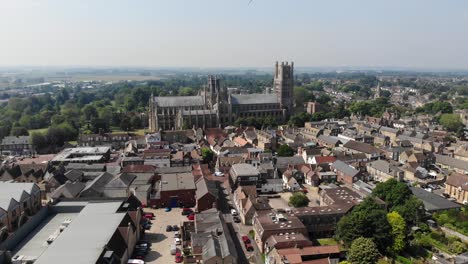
368, 220
392, 192
207, 154
363, 251
285, 151
451, 122
398, 225
298, 199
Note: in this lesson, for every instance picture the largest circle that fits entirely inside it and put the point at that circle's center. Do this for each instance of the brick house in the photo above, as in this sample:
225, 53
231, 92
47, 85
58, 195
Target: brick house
206, 195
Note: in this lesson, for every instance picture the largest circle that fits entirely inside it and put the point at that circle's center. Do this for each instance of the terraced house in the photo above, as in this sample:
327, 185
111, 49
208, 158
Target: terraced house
18, 202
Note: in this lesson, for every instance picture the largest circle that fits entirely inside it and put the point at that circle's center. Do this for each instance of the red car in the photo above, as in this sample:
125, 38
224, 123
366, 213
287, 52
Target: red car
178, 257
246, 239
191, 217
149, 216
249, 247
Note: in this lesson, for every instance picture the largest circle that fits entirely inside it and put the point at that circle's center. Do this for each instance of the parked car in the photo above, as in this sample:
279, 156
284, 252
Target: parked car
245, 239
168, 228
142, 246
135, 261
175, 228
249, 247
191, 217
168, 209
149, 215
143, 241
178, 257
177, 241
173, 249
177, 234
233, 212
186, 211
138, 256
236, 219
146, 226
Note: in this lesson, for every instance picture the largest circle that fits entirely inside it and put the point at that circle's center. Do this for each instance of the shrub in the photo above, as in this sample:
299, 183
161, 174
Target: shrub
457, 247
298, 199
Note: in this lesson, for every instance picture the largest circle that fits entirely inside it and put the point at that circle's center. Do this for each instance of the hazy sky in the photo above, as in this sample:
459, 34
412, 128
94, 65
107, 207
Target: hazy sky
231, 33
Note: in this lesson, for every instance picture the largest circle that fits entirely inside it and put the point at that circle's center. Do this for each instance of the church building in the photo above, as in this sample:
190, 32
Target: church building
215, 107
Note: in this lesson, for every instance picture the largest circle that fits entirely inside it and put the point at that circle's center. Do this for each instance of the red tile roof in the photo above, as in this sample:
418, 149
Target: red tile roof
325, 159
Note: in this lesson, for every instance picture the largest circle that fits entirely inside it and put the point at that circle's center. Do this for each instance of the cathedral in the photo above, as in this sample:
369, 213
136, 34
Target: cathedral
215, 107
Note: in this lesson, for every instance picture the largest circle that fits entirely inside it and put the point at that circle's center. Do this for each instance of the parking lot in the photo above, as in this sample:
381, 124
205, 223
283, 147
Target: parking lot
157, 235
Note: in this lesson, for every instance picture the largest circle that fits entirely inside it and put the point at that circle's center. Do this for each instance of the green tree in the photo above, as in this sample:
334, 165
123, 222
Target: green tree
324, 99
398, 231
302, 95
363, 251
184, 91
125, 123
285, 151
90, 112
412, 210
298, 199
19, 131
207, 155
451, 122
369, 220
393, 192
39, 141
299, 119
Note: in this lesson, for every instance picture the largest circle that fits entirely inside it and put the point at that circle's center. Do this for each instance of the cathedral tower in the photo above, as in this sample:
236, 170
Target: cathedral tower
284, 85
213, 90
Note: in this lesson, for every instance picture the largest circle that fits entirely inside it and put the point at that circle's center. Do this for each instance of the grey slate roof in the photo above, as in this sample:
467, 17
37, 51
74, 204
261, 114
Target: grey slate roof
452, 162
389, 129
205, 186
329, 139
345, 168
244, 169
173, 101
206, 224
433, 202
15, 191
254, 99
384, 166
73, 175
68, 190
283, 162
122, 181
97, 185
11, 140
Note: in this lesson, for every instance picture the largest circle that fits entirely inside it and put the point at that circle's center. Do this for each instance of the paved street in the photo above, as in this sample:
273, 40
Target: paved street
237, 231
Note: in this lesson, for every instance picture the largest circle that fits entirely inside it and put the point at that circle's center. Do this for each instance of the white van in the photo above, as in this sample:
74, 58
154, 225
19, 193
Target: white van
173, 249
135, 261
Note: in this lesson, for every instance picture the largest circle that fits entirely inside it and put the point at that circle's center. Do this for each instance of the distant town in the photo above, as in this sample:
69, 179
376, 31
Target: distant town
276, 166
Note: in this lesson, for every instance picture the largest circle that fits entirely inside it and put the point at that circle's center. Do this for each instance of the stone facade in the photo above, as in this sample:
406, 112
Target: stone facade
214, 106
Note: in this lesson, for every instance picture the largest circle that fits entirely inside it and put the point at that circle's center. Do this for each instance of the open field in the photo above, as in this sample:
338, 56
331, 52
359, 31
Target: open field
39, 130
110, 78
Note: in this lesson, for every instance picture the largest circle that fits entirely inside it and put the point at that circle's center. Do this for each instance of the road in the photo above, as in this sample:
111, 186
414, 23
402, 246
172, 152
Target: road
237, 231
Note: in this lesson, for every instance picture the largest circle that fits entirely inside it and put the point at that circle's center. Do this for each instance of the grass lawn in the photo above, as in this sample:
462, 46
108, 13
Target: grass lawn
117, 130
39, 130
327, 241
139, 132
